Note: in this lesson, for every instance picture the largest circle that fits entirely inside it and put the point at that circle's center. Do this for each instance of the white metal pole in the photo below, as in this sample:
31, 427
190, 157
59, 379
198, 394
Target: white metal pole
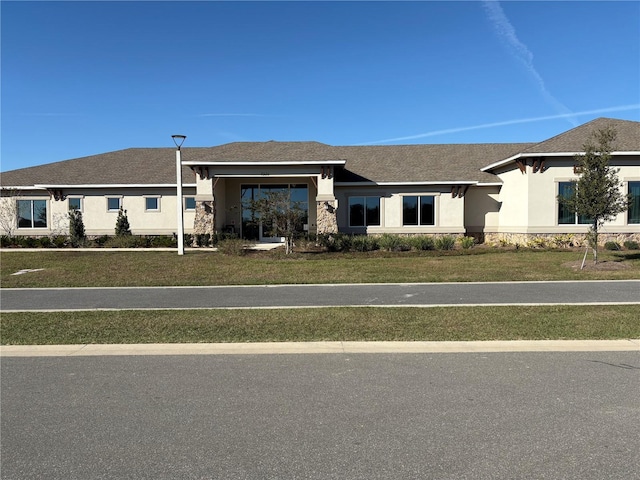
179, 207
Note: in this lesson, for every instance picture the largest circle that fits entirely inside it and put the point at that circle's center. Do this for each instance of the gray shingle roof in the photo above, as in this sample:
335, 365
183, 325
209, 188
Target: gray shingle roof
150, 166
627, 140
389, 163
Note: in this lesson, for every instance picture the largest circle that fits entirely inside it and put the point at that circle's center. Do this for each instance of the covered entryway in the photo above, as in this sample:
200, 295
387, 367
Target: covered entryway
255, 228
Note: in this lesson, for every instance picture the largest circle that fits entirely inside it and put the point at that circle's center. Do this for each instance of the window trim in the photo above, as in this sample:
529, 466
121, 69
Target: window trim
184, 204
576, 219
76, 197
418, 196
119, 198
629, 182
32, 211
366, 224
152, 210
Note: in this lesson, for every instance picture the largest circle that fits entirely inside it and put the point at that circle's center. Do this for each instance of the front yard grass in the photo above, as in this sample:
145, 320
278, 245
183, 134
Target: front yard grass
321, 324
116, 269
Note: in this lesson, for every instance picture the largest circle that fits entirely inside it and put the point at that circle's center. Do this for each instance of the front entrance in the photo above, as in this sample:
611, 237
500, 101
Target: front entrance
255, 228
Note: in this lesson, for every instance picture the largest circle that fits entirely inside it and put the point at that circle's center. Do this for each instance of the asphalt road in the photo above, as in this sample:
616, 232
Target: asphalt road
501, 293
339, 416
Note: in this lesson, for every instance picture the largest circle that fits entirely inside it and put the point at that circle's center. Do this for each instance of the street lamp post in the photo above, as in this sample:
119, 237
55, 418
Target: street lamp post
179, 140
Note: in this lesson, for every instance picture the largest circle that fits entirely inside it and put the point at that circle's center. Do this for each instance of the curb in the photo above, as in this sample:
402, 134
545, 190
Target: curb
280, 348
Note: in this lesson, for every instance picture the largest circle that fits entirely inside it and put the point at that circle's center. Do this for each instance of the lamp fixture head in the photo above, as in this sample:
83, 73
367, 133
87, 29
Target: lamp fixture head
178, 140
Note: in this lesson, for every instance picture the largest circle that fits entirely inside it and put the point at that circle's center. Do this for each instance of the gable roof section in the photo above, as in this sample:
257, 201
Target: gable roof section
572, 142
422, 163
263, 152
139, 166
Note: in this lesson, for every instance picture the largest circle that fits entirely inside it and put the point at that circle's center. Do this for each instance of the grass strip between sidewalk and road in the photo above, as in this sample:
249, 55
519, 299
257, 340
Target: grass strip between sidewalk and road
321, 324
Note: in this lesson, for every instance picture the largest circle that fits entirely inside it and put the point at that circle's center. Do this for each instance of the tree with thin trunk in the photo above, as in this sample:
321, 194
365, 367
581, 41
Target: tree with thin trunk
597, 193
9, 213
280, 216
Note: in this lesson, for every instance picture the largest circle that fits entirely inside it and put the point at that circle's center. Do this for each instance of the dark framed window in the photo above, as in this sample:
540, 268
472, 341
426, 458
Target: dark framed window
189, 203
152, 204
634, 207
364, 211
32, 213
566, 216
75, 203
114, 204
418, 210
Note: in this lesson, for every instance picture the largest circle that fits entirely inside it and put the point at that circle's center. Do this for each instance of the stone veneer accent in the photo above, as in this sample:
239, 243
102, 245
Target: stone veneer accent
556, 239
326, 219
204, 220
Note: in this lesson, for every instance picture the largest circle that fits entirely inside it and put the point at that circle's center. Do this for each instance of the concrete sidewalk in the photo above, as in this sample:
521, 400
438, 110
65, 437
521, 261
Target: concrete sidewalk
321, 348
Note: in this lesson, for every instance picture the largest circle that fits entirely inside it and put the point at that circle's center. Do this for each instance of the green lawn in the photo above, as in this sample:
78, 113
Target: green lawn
105, 269
408, 324
109, 268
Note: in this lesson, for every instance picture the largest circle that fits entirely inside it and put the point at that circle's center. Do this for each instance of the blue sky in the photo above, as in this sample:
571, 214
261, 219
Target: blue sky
82, 78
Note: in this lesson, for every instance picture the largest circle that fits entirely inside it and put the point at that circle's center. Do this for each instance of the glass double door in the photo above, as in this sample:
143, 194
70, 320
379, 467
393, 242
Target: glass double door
256, 228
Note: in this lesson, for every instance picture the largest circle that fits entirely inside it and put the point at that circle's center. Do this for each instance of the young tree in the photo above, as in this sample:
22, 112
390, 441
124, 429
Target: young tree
280, 216
597, 193
9, 213
122, 224
76, 228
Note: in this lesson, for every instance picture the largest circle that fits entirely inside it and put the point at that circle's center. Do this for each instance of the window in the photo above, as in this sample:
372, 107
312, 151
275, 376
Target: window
634, 206
418, 210
189, 203
75, 203
114, 204
565, 215
152, 204
364, 211
32, 213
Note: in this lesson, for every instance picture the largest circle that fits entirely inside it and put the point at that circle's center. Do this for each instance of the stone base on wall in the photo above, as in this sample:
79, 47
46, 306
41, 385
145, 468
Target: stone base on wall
204, 220
326, 217
558, 240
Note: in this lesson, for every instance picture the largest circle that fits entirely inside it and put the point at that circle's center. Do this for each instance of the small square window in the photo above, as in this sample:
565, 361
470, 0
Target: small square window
75, 203
152, 204
114, 204
189, 203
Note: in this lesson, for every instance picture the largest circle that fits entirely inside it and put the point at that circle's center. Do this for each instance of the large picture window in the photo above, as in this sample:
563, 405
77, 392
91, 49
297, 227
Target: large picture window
418, 210
32, 213
634, 207
565, 215
364, 211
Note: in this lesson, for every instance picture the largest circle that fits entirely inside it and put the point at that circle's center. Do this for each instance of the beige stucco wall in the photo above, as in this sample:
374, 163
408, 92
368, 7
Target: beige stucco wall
529, 201
482, 209
449, 211
98, 221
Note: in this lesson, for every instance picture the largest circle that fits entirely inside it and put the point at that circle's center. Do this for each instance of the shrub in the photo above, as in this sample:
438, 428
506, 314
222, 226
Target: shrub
612, 246
364, 243
537, 242
202, 239
422, 242
77, 235
44, 242
59, 241
446, 242
122, 224
125, 241
563, 241
232, 246
467, 242
162, 241
388, 242
335, 242
631, 245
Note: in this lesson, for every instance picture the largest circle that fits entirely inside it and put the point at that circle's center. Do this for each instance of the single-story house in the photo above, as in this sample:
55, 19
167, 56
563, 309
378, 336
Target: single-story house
495, 192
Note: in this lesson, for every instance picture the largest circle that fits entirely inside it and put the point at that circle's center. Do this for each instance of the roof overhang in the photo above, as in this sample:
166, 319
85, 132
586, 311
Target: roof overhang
196, 163
114, 185
506, 161
400, 184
